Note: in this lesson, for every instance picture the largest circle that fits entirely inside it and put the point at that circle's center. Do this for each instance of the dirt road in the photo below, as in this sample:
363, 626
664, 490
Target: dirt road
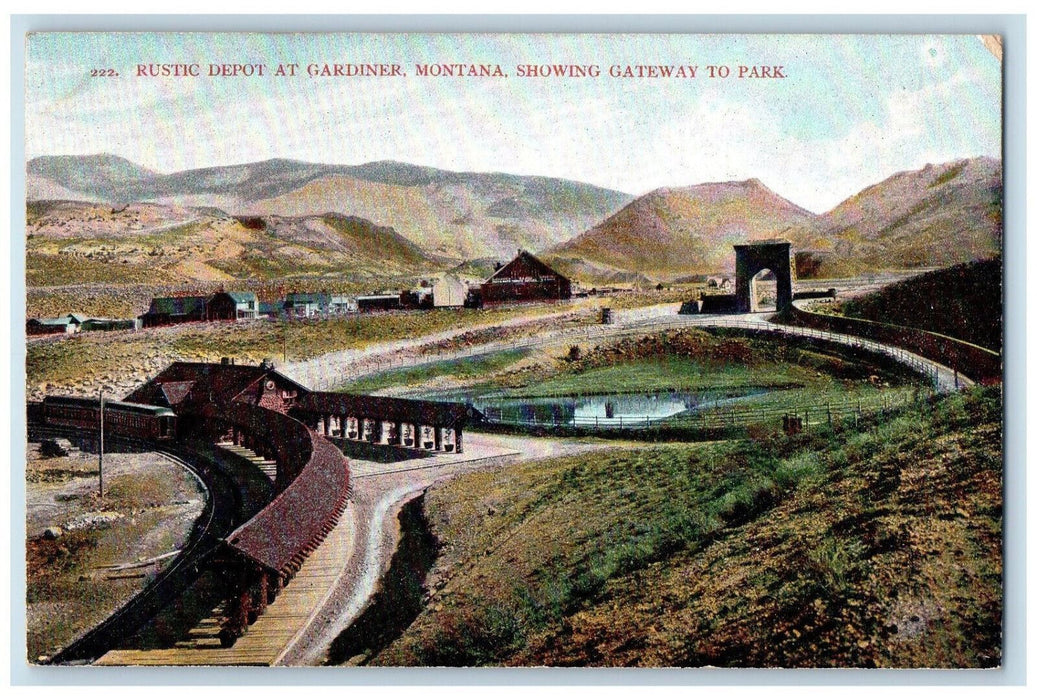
380, 492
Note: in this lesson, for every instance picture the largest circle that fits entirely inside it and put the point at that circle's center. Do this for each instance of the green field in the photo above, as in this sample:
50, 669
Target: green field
668, 374
830, 548
797, 379
464, 369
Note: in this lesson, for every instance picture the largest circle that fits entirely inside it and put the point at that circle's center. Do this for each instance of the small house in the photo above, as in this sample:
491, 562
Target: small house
449, 291
72, 323
307, 304
339, 304
232, 306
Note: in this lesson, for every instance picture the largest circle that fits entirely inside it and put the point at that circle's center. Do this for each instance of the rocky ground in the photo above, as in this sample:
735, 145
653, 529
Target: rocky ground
86, 556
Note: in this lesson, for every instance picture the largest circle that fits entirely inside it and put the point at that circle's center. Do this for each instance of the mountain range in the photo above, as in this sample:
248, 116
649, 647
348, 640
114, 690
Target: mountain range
282, 218
451, 214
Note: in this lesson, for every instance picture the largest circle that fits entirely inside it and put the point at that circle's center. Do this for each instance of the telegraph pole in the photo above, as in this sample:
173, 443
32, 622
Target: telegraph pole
100, 451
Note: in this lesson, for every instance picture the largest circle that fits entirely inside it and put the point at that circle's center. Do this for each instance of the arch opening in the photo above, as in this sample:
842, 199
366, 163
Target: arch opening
763, 291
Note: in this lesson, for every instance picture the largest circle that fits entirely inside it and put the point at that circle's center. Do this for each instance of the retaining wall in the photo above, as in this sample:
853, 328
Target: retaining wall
977, 363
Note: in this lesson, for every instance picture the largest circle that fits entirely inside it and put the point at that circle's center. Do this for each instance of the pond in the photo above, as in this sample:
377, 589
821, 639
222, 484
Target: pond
603, 409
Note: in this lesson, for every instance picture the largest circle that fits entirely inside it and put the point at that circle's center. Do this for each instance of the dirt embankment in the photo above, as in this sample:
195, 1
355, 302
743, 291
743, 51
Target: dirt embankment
400, 593
378, 501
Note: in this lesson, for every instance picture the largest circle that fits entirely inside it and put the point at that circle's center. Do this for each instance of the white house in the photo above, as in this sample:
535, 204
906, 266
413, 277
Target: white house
449, 291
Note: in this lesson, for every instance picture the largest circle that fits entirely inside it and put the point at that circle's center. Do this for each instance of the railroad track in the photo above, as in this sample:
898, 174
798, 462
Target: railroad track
220, 516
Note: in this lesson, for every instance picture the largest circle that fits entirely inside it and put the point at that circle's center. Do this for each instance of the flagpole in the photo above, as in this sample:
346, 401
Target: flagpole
100, 451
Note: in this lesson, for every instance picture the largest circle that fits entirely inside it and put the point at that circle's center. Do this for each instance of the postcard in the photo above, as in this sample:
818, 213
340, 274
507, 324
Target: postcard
534, 350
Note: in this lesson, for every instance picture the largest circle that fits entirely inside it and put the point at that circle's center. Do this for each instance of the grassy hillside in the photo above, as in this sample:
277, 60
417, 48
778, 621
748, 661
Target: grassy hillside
963, 301
827, 549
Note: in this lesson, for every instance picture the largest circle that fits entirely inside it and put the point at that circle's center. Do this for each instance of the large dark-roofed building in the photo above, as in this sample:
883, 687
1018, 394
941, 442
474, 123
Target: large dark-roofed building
196, 385
199, 391
525, 278
167, 310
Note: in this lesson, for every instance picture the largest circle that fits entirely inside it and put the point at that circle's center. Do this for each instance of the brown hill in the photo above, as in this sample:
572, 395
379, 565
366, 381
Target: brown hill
672, 232
934, 217
937, 216
77, 243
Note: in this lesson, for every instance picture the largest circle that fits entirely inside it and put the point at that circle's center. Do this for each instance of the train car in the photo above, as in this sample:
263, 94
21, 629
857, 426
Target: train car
120, 418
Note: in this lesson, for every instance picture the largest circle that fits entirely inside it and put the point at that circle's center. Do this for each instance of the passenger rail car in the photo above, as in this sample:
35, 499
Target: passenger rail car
121, 419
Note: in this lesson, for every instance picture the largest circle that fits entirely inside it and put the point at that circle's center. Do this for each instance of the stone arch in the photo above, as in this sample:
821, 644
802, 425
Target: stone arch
752, 258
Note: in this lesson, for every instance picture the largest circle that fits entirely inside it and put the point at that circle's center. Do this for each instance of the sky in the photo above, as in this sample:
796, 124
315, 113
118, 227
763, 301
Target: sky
850, 110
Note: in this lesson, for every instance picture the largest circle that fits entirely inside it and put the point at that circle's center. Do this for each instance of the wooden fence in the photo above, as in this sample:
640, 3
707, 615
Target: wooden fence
722, 418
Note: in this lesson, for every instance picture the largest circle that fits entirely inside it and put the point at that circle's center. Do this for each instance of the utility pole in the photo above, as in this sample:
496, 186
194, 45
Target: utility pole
100, 450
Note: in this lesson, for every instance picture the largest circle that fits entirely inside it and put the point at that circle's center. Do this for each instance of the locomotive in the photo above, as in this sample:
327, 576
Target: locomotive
121, 419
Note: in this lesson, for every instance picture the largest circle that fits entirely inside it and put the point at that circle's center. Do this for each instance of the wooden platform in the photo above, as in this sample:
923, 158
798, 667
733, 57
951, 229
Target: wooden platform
267, 466
269, 637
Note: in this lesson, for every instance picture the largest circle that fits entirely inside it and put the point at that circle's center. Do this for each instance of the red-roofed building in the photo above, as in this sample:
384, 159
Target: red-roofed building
525, 278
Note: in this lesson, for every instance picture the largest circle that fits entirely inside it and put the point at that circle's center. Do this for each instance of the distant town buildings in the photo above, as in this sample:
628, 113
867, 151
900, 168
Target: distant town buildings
74, 322
165, 311
341, 304
62, 324
306, 304
232, 306
523, 279
220, 306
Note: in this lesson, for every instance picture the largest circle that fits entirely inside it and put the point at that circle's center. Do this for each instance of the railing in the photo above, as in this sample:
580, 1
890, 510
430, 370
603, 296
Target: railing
604, 333
935, 373
974, 361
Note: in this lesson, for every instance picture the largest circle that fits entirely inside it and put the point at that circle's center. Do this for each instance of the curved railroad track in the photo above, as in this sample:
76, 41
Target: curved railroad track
220, 515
